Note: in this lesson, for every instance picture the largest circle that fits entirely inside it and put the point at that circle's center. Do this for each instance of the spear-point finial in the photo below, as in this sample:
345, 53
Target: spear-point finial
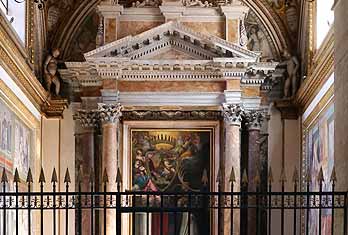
333, 177
257, 178
54, 178
232, 176
308, 177
79, 175
270, 176
42, 176
245, 180
118, 176
321, 175
29, 177
283, 176
295, 176
218, 177
4, 178
16, 178
205, 179
67, 176
105, 177
91, 176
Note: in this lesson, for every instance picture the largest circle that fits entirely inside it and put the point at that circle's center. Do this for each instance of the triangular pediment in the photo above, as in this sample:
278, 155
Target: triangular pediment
170, 54
172, 41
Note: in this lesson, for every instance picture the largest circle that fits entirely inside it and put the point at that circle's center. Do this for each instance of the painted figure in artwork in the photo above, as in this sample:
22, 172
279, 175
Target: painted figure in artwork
171, 161
321, 156
51, 71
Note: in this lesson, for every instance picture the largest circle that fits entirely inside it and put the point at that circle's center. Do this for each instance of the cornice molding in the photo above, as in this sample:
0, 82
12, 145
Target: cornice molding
323, 67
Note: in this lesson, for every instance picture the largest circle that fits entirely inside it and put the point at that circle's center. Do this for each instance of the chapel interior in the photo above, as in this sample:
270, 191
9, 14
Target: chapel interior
173, 96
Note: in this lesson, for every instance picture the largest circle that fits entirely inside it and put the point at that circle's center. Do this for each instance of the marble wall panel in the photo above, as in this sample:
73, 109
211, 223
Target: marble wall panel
135, 27
174, 86
232, 30
251, 91
213, 28
110, 30
233, 84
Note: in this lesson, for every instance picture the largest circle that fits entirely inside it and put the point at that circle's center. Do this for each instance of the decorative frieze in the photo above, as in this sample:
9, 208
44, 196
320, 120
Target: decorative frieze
172, 115
233, 114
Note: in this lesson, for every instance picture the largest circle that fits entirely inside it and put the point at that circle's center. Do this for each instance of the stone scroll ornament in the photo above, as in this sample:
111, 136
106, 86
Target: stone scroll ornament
233, 113
110, 113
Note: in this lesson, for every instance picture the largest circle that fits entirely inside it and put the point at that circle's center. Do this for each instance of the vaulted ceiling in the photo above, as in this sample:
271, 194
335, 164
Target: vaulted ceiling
66, 17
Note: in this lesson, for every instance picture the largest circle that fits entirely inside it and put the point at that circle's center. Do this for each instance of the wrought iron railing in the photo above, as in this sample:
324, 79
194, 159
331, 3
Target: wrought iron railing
206, 209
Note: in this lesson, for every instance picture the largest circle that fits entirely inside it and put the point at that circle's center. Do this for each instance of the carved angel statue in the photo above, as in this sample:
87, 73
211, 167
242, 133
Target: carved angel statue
191, 3
292, 67
51, 71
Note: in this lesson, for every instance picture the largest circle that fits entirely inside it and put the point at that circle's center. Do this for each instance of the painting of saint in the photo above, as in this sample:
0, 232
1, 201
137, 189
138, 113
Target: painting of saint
171, 161
320, 152
6, 131
22, 148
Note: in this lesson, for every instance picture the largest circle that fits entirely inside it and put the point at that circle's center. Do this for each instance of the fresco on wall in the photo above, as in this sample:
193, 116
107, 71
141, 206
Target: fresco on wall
15, 150
171, 160
15, 142
320, 152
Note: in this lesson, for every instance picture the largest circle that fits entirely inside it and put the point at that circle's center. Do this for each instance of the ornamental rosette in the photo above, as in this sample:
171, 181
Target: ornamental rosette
233, 113
109, 113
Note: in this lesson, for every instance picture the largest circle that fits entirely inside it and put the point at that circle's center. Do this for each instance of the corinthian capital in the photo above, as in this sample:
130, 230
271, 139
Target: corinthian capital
87, 119
233, 114
254, 119
109, 113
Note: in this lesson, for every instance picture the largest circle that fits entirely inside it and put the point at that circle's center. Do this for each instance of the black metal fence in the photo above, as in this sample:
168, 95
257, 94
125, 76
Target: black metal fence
172, 213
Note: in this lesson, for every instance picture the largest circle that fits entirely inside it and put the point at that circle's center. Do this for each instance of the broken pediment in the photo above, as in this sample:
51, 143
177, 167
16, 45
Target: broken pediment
172, 41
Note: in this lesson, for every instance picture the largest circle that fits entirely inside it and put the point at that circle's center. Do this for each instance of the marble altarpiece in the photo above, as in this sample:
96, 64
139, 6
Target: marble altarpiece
155, 91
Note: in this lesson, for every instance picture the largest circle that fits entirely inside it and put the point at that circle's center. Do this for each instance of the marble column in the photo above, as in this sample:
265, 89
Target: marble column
253, 121
85, 161
233, 118
109, 115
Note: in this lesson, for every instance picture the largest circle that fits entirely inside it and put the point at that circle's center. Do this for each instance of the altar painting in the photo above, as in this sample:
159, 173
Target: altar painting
171, 161
320, 154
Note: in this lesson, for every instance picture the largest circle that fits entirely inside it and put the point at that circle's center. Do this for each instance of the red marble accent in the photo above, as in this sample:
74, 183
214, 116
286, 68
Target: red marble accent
213, 28
253, 165
127, 28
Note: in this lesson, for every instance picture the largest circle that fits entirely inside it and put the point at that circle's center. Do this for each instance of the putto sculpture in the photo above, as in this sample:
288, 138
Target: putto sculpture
51, 71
